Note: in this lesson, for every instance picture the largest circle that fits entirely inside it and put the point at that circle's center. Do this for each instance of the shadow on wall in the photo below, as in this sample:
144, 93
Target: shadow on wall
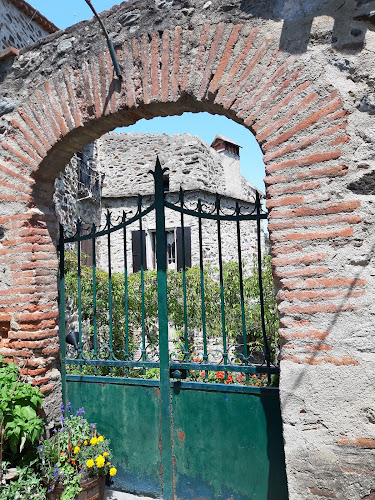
352, 18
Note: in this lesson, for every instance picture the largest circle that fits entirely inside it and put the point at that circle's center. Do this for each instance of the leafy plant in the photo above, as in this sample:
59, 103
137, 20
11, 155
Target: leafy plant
20, 425
28, 486
76, 451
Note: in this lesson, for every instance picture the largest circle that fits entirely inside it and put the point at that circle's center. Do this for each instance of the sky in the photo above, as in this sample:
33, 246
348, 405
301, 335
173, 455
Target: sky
206, 126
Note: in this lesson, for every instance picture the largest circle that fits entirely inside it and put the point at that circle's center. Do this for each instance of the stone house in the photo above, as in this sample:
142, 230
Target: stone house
110, 174
126, 161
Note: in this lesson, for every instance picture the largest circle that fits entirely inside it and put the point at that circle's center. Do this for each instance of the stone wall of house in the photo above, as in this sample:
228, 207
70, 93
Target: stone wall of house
74, 201
173, 221
18, 29
127, 161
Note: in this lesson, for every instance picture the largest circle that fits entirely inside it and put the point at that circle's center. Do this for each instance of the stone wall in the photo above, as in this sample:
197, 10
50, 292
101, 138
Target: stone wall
300, 76
74, 201
18, 28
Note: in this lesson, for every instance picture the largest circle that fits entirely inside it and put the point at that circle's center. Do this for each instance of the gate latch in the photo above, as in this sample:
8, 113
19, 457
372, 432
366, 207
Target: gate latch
179, 374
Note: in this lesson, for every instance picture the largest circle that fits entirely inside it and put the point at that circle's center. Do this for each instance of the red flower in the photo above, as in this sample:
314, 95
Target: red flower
220, 375
230, 378
203, 374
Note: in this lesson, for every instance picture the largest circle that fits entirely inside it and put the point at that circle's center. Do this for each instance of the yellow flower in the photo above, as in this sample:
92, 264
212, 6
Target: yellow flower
86, 443
90, 463
105, 454
76, 449
108, 463
100, 438
94, 441
113, 471
100, 461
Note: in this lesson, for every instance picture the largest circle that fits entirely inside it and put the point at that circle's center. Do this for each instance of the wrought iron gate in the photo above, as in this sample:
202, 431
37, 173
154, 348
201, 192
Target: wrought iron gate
179, 436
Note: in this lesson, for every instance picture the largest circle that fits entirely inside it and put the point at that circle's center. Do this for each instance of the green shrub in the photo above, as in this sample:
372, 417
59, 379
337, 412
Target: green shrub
20, 424
231, 293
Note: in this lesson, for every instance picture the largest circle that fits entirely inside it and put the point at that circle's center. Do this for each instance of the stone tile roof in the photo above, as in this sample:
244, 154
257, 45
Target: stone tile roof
36, 15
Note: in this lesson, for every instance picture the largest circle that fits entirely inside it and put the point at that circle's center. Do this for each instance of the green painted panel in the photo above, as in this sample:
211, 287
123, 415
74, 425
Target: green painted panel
228, 446
130, 417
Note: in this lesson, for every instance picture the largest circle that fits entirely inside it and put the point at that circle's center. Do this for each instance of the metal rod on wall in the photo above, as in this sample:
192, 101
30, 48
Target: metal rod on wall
109, 42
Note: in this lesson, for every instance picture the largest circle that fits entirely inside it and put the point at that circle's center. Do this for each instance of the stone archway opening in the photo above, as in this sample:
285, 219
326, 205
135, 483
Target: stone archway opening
122, 164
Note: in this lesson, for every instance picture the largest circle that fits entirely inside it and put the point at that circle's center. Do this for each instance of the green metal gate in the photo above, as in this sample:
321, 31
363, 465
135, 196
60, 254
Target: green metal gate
179, 436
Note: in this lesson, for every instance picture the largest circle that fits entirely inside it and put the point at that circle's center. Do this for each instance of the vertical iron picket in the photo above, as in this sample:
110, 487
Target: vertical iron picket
240, 275
79, 231
186, 335
95, 323
261, 296
110, 312
222, 301
126, 297
203, 307
143, 350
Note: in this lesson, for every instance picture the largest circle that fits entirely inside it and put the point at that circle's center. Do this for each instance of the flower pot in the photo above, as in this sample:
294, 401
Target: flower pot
92, 489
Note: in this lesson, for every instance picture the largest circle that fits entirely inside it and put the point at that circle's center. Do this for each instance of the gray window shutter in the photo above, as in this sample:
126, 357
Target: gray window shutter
137, 241
187, 238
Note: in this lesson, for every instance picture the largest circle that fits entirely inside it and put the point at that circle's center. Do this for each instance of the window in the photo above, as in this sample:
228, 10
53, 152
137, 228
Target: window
174, 249
166, 183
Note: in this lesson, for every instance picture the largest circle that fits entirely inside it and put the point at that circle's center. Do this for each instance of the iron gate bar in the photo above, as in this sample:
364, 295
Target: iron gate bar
94, 292
222, 302
260, 284
126, 297
103, 232
111, 362
203, 215
203, 307
228, 367
109, 286
174, 365
186, 351
201, 386
239, 252
161, 256
79, 229
143, 350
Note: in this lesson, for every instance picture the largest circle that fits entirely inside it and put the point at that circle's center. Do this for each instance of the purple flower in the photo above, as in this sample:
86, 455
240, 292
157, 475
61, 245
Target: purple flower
69, 406
80, 412
62, 407
50, 489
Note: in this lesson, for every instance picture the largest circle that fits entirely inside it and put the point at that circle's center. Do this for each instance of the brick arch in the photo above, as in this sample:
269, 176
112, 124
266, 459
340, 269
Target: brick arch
232, 69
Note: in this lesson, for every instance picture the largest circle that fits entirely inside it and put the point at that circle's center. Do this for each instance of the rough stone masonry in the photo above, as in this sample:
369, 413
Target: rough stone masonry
300, 76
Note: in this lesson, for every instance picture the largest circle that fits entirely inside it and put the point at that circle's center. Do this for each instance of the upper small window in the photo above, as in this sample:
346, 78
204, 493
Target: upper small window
166, 183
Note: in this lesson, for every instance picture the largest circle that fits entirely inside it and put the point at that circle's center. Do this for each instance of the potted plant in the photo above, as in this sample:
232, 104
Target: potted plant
76, 459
